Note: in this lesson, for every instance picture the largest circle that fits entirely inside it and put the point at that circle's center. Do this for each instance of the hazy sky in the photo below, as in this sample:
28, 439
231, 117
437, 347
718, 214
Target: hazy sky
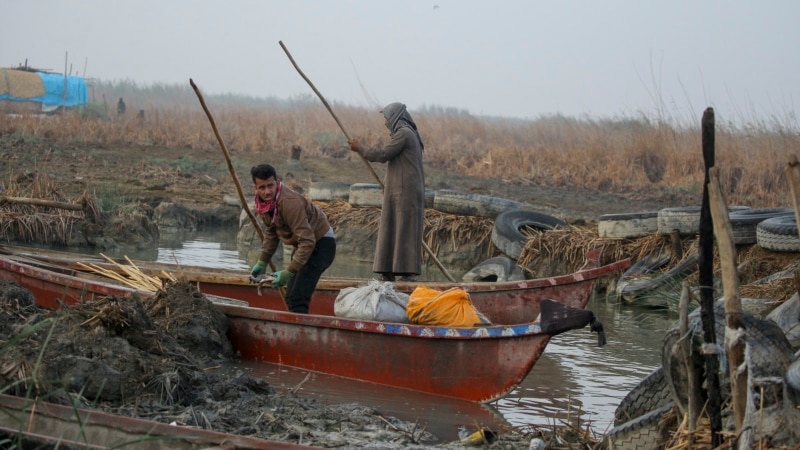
522, 58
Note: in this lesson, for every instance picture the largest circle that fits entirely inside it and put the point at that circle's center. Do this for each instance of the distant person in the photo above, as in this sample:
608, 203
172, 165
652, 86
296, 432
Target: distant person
292, 219
398, 252
120, 107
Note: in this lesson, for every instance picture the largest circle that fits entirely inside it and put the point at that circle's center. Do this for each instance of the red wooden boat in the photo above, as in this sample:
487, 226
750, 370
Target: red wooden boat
476, 363
38, 424
510, 302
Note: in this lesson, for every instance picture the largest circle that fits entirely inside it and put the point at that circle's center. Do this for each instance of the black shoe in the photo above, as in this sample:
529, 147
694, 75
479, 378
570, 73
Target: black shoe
387, 277
408, 278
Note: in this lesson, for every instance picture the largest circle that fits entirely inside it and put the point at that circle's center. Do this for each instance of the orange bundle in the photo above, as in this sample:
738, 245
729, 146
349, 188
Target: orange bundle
451, 308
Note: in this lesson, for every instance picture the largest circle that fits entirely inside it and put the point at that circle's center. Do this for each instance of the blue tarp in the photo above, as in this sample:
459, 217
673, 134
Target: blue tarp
54, 91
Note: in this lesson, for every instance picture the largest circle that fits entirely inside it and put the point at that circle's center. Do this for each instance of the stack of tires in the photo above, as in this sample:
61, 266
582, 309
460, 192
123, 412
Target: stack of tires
771, 228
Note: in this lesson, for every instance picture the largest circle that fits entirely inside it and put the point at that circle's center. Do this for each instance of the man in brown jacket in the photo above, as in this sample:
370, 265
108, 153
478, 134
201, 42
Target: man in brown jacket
292, 219
398, 251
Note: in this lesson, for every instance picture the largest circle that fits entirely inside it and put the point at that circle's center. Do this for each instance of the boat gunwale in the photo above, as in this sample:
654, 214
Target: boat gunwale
229, 276
315, 320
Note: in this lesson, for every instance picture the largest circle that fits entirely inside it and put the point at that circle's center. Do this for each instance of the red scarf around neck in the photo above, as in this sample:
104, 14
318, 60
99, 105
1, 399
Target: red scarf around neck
263, 207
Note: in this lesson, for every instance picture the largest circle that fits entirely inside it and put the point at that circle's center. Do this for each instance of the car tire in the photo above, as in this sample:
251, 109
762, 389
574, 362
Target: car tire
685, 219
778, 234
641, 433
650, 292
468, 204
744, 223
328, 191
629, 225
499, 268
365, 195
651, 393
506, 234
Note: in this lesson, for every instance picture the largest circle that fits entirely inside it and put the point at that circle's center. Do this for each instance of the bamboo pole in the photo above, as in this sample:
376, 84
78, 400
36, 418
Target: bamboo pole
734, 318
235, 178
369, 166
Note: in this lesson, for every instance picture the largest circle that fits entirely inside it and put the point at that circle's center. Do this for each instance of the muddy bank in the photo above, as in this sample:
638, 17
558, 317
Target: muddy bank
166, 359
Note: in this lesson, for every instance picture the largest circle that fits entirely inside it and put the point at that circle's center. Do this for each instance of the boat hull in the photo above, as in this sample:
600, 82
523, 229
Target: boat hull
470, 363
478, 364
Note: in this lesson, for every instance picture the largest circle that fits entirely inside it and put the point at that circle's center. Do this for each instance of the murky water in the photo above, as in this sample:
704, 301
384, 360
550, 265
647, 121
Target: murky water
574, 378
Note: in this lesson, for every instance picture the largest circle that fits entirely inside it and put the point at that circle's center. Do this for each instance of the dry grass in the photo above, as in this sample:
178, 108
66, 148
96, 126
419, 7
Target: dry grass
635, 157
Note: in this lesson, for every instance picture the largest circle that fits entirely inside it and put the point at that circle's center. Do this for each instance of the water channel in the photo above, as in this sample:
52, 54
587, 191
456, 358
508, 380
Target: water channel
574, 381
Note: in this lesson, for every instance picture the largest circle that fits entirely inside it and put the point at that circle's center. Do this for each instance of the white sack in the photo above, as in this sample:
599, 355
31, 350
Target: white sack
377, 301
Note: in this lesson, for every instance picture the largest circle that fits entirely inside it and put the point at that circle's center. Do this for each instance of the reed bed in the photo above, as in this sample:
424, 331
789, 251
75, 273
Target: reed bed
632, 156
43, 224
441, 229
568, 246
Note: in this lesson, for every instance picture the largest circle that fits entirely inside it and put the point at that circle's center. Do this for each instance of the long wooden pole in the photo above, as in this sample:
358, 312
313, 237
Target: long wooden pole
369, 166
330, 110
242, 200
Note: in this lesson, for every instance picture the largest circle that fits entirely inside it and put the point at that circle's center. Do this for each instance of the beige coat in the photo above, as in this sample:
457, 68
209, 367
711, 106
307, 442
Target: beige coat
399, 246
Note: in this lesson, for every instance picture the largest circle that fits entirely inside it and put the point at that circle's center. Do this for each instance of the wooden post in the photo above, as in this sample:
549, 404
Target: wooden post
677, 245
64, 97
793, 176
706, 279
735, 338
685, 351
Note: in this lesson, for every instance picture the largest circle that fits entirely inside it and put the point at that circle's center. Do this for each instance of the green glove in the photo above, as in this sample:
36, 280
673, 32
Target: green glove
282, 278
259, 268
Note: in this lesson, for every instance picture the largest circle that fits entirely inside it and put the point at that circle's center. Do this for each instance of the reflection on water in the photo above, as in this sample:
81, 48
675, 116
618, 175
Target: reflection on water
574, 377
207, 249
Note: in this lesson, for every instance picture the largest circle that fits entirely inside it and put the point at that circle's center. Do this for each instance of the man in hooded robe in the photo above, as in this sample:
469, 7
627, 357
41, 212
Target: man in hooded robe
398, 252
